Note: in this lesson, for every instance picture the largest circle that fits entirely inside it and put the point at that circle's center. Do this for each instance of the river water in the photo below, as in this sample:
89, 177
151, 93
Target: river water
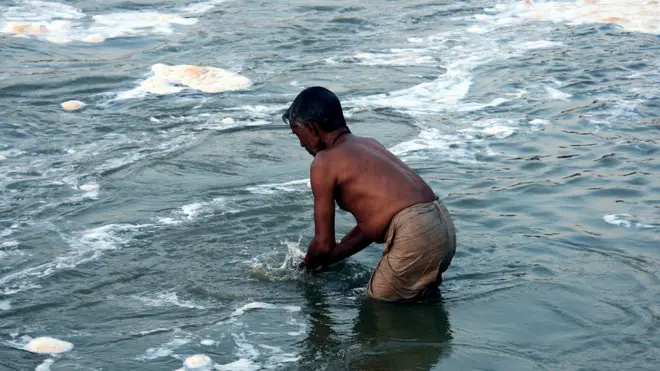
164, 218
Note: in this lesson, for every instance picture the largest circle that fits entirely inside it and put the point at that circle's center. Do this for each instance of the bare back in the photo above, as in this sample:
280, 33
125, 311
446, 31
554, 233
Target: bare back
373, 184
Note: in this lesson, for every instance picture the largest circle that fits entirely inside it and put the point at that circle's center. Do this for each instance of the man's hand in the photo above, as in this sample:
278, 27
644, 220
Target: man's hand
317, 255
354, 242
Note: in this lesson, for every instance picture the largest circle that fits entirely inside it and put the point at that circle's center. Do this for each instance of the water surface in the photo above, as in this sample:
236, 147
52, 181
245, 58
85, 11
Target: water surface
145, 228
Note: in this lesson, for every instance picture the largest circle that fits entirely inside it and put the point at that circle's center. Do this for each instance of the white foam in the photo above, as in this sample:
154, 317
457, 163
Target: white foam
447, 91
557, 94
167, 299
202, 7
497, 131
242, 364
165, 350
539, 44
36, 11
8, 249
93, 38
632, 15
207, 342
460, 146
192, 210
260, 111
433, 143
168, 221
154, 331
91, 190
200, 362
36, 18
195, 210
45, 365
540, 122
174, 140
9, 244
277, 357
5, 305
136, 23
477, 29
43, 20
229, 123
391, 57
245, 349
48, 345
8, 231
292, 186
89, 187
72, 105
86, 246
260, 305
473, 106
174, 79
55, 30
617, 110
627, 221
428, 97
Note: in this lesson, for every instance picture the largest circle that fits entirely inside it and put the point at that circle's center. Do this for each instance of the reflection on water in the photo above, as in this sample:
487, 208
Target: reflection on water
382, 336
401, 337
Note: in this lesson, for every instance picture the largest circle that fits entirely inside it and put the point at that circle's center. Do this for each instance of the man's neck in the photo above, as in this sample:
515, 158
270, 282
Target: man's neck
331, 139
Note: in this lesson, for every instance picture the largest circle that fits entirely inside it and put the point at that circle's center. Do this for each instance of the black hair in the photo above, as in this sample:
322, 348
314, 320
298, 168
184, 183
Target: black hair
317, 105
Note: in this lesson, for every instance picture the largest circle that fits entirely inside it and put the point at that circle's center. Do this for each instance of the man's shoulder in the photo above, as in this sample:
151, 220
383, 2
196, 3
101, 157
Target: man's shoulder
323, 160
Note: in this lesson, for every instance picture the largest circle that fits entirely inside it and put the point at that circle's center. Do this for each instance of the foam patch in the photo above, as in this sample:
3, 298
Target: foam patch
269, 189
48, 345
198, 362
72, 105
5, 305
242, 364
55, 30
123, 24
392, 57
168, 299
260, 305
627, 221
36, 11
631, 15
89, 187
54, 22
45, 365
557, 94
173, 79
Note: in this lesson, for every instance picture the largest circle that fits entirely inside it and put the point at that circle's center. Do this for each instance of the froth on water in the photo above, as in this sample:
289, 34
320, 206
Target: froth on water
631, 15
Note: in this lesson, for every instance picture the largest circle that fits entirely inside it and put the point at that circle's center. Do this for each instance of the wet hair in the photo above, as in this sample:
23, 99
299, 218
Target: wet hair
317, 105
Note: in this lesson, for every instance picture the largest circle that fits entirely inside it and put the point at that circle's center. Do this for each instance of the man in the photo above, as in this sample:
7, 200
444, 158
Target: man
389, 201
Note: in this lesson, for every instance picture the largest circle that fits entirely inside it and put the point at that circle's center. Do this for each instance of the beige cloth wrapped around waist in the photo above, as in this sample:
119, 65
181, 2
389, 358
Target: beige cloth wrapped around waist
421, 242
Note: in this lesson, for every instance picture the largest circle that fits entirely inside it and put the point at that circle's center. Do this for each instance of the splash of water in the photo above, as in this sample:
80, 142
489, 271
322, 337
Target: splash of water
273, 267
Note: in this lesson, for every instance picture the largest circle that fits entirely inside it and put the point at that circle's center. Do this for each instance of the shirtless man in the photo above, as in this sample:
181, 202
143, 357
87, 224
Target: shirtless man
390, 202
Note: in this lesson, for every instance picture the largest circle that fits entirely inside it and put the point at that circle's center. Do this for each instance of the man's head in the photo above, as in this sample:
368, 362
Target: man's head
315, 113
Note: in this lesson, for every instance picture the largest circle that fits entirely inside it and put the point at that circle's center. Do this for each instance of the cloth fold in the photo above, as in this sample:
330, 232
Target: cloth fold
420, 245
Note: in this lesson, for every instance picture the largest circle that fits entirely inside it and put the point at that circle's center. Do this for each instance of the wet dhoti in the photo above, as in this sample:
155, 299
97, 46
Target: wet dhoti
420, 244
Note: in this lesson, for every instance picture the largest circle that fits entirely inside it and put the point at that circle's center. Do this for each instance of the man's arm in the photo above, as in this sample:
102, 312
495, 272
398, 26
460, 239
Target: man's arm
323, 183
354, 242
